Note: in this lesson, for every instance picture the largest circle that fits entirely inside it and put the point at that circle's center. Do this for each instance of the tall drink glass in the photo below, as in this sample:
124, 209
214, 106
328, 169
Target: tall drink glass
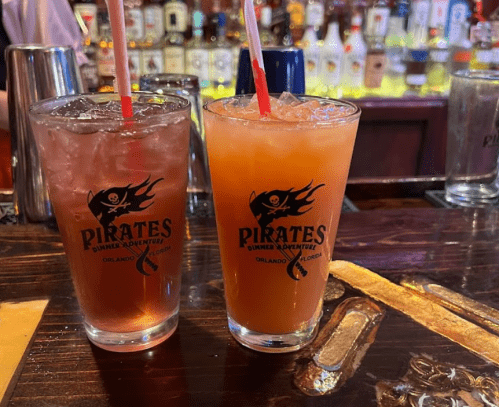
278, 189
118, 189
473, 139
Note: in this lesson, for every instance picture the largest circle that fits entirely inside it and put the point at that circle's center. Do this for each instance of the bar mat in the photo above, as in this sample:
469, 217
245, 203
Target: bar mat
348, 206
18, 322
437, 198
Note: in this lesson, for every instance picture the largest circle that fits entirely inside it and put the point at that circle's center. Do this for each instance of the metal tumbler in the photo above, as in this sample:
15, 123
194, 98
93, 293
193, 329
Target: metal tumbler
34, 72
199, 194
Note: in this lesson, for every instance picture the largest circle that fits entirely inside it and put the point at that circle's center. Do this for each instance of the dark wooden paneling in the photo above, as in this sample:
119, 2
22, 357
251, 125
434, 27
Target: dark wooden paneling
400, 137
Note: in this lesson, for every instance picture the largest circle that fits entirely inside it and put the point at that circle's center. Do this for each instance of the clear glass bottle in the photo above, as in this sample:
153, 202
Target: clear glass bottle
481, 57
311, 54
197, 56
134, 21
222, 76
476, 17
415, 73
494, 24
154, 23
393, 84
176, 25
341, 12
460, 50
314, 15
331, 58
376, 29
267, 37
105, 59
417, 27
437, 82
354, 61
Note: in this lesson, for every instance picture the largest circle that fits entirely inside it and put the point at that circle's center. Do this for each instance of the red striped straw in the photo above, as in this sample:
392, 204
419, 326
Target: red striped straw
117, 20
255, 50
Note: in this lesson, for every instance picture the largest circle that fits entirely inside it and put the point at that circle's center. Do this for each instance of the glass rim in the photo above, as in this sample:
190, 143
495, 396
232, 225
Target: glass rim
37, 111
347, 118
488, 75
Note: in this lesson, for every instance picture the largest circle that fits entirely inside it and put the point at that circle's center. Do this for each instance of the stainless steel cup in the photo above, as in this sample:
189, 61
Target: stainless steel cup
199, 194
34, 73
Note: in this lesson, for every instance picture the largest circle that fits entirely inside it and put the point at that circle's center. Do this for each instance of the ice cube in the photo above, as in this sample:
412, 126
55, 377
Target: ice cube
288, 99
74, 108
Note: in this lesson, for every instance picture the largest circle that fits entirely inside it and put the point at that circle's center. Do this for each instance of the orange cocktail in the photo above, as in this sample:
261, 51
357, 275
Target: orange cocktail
118, 188
278, 188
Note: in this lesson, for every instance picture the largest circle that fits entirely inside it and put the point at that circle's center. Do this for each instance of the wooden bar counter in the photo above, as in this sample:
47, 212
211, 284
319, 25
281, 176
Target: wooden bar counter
201, 364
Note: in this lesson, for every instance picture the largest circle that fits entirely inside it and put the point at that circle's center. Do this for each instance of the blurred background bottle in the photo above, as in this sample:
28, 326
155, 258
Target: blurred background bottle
221, 64
461, 50
105, 57
481, 57
296, 10
331, 58
176, 26
393, 82
377, 15
354, 60
197, 57
311, 50
340, 11
267, 37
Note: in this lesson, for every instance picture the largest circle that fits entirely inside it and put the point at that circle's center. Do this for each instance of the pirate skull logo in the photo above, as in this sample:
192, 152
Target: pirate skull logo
113, 198
274, 200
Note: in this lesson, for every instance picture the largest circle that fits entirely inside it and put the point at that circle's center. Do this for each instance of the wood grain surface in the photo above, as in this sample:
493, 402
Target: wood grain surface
201, 364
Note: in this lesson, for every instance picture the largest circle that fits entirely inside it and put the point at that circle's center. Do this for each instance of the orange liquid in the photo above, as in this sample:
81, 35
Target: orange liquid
246, 158
113, 295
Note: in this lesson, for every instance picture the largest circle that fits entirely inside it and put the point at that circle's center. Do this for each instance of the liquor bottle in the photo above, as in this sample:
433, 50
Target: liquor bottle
494, 24
354, 60
86, 15
134, 65
267, 37
296, 10
212, 22
459, 13
331, 58
395, 43
154, 26
376, 29
234, 22
89, 72
197, 56
417, 28
134, 21
285, 35
437, 82
460, 50
176, 25
105, 59
311, 54
476, 17
481, 57
341, 12
314, 15
221, 64
415, 73
438, 18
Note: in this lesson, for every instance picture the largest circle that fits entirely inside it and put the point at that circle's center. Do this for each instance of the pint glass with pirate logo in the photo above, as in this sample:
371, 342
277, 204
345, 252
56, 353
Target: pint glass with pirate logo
278, 185
118, 189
